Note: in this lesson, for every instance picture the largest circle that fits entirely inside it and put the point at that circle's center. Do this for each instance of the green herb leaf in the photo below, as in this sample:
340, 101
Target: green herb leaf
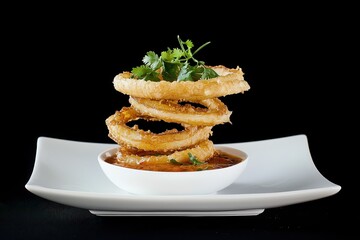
152, 60
208, 73
177, 53
145, 73
185, 73
170, 71
189, 44
167, 55
190, 73
194, 160
173, 161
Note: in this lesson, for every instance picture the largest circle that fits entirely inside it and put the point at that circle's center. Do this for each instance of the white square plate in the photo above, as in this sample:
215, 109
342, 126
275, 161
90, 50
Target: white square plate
280, 172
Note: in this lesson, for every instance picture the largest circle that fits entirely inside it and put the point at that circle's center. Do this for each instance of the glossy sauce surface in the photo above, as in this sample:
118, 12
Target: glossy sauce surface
219, 160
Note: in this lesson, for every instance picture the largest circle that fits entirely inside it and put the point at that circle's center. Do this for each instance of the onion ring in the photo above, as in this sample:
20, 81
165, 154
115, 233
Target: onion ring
230, 81
169, 140
216, 112
203, 151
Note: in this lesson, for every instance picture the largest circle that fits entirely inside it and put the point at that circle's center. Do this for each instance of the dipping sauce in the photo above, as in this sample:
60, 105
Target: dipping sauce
219, 160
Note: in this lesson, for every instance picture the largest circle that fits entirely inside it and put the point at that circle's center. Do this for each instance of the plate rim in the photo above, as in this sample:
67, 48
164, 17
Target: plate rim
41, 191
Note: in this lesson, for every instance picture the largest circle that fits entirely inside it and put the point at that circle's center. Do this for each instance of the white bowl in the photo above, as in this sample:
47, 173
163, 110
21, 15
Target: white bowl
173, 183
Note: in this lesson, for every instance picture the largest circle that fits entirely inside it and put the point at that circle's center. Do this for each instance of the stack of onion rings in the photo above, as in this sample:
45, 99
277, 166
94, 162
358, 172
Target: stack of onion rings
154, 101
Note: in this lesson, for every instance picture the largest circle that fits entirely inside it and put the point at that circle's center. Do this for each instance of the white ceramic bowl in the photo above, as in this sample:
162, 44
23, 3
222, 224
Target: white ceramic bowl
173, 183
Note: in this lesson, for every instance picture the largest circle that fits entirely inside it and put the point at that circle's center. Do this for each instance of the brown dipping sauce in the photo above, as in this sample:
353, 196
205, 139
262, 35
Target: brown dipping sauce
219, 160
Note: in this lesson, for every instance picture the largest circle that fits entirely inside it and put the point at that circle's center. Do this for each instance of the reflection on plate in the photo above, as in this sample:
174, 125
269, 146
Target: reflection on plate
280, 172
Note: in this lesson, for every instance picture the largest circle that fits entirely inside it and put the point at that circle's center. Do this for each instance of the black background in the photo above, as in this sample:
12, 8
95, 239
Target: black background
59, 63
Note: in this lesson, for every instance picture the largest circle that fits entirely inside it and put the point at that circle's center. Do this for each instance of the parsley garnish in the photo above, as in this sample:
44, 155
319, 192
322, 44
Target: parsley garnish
173, 161
192, 158
174, 65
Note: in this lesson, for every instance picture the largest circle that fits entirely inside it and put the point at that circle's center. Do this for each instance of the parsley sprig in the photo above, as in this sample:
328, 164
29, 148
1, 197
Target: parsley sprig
192, 158
177, 64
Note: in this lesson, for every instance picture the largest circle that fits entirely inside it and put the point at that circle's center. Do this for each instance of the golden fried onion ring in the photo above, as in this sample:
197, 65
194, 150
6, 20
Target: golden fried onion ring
216, 112
230, 81
169, 140
203, 151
